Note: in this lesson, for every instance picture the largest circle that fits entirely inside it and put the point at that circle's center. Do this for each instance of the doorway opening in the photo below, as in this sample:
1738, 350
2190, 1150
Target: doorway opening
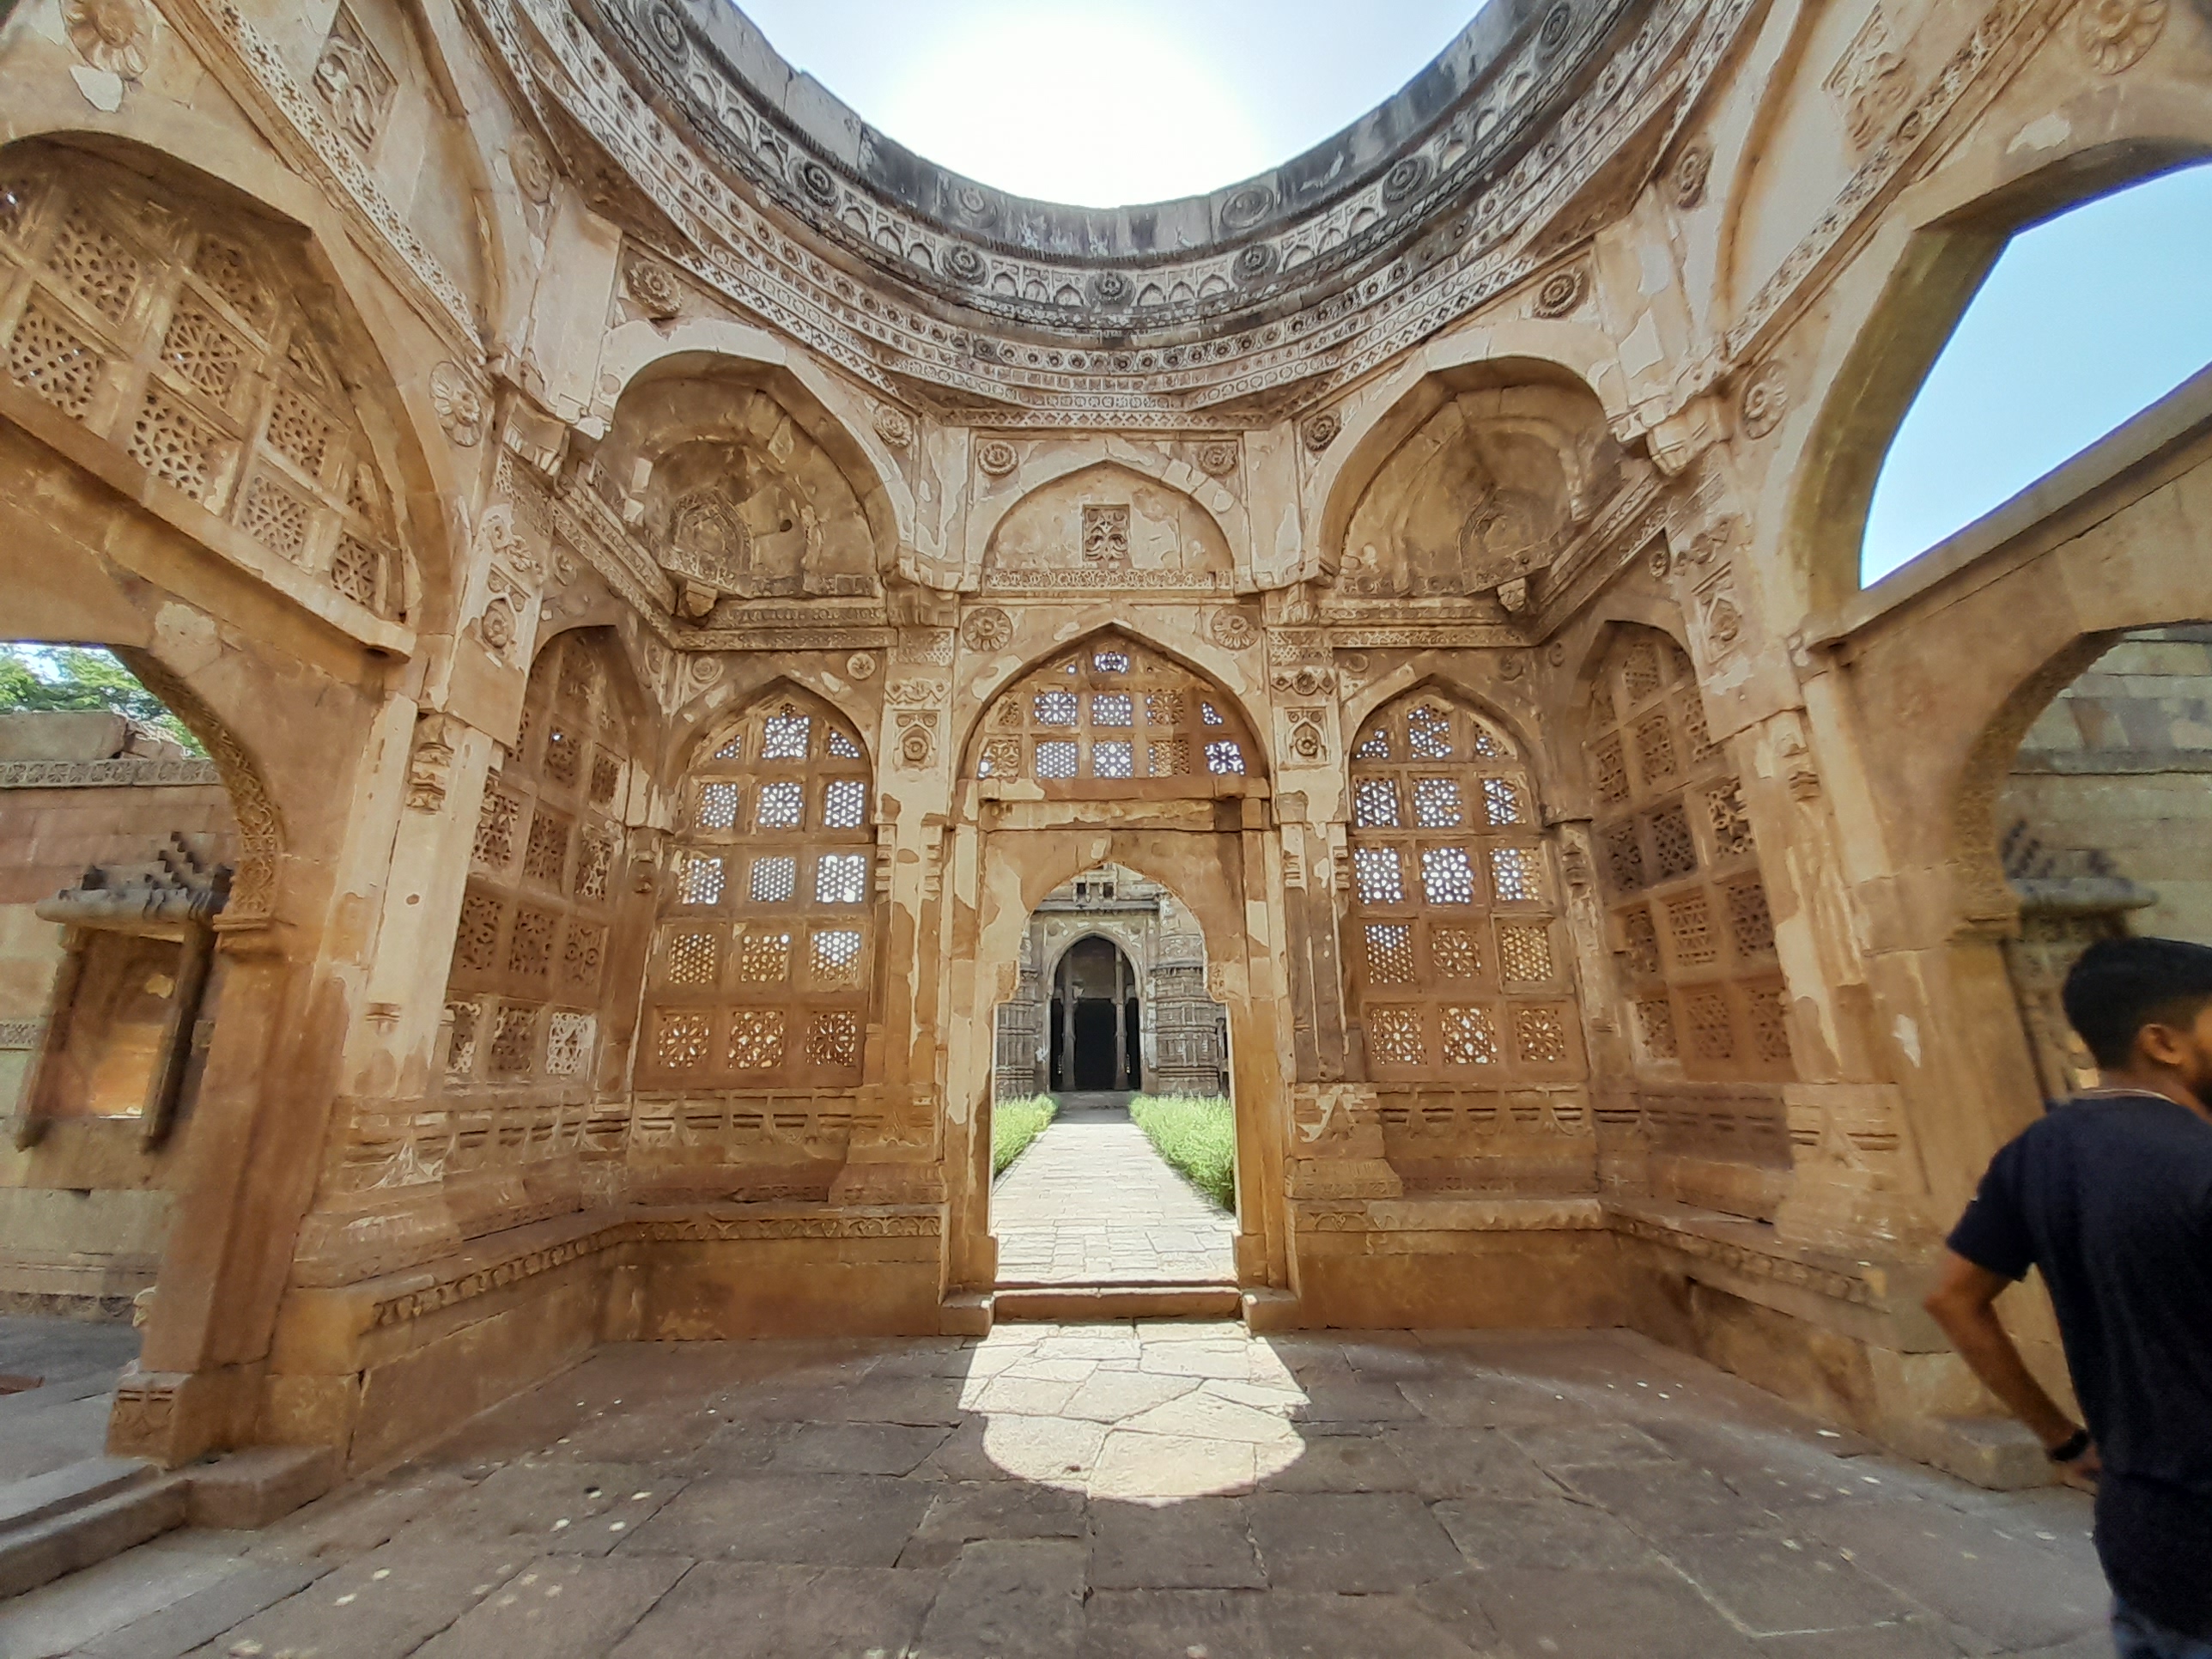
1114, 1134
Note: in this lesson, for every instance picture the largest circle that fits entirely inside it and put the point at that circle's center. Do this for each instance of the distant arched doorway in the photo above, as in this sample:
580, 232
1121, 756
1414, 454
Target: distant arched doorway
1097, 1013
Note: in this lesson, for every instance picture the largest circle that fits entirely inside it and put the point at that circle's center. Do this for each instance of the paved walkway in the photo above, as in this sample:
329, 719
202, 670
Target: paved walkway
1109, 1492
1091, 1202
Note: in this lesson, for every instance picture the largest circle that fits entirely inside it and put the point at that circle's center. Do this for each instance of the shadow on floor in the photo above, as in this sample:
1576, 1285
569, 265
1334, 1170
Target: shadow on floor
1117, 1491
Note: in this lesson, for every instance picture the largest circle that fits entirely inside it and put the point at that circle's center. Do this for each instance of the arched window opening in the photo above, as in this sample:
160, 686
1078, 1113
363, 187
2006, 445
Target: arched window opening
1693, 932
1460, 971
760, 967
1113, 719
527, 993
118, 840
2104, 826
2043, 362
176, 332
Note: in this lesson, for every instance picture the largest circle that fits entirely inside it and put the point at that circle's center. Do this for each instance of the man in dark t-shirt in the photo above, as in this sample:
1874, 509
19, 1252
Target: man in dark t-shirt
2110, 1196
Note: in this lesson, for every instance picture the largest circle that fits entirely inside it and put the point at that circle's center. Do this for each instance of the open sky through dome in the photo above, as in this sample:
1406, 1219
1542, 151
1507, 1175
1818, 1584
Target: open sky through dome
2085, 321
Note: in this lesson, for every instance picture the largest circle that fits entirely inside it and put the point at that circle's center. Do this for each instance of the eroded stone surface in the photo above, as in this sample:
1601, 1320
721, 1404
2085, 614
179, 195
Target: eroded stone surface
1613, 1522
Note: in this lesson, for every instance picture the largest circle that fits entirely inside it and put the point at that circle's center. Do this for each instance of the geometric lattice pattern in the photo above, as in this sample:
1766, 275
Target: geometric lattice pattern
1682, 872
783, 793
1110, 712
1394, 1036
180, 335
1440, 793
534, 925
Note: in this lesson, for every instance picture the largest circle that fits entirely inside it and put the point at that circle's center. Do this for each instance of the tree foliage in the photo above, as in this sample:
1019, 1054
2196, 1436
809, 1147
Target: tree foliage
69, 679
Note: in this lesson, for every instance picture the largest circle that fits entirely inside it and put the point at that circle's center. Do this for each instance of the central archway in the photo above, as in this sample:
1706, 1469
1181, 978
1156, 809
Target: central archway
1110, 753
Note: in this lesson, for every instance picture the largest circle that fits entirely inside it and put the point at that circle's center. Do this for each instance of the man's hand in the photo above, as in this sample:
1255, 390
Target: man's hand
1962, 1304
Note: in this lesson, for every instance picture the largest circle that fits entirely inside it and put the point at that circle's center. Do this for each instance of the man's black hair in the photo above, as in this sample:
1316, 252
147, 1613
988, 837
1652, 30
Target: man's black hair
2121, 985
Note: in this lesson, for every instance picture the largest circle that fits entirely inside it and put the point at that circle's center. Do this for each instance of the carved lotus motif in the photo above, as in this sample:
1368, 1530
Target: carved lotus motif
1320, 432
1692, 170
1765, 399
963, 263
1232, 630
459, 405
653, 289
862, 665
109, 34
893, 427
1561, 291
533, 172
996, 457
2115, 33
987, 629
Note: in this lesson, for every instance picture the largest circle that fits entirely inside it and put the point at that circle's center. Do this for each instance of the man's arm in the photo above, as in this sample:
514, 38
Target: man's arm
1963, 1303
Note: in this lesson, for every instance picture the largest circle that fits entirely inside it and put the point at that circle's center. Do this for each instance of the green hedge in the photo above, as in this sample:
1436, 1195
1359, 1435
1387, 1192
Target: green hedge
1014, 1124
1197, 1134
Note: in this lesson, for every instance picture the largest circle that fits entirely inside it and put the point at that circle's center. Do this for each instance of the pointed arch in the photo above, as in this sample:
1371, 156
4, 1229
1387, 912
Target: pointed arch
760, 974
1111, 716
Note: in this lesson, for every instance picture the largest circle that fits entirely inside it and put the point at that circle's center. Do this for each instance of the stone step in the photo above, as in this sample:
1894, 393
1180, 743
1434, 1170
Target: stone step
72, 1486
42, 1551
1079, 1304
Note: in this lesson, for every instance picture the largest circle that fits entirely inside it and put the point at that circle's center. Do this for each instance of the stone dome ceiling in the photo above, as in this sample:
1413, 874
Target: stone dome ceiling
1535, 126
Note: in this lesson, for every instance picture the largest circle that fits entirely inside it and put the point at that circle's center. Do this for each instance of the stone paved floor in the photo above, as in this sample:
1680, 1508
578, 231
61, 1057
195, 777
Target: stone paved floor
65, 1417
1091, 1202
1097, 1491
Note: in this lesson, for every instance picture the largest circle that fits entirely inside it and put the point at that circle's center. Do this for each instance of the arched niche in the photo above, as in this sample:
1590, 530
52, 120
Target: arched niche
191, 331
1478, 476
744, 486
1933, 271
1111, 717
761, 973
541, 986
1108, 526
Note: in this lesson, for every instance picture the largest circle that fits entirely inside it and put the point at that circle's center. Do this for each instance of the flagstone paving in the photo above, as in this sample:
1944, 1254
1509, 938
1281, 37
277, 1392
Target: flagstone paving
1187, 1491
1091, 1202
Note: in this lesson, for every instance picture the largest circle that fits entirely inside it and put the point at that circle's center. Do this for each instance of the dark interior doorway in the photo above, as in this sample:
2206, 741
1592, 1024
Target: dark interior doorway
1097, 1020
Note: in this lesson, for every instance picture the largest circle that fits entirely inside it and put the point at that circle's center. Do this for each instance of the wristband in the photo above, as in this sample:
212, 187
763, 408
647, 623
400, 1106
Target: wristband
2070, 1448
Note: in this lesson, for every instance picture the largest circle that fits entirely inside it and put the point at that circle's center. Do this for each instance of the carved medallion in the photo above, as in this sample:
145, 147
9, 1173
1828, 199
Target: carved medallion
862, 665
1406, 177
459, 405
1218, 460
996, 457
917, 737
1309, 745
1232, 630
1691, 169
1112, 290
893, 427
109, 34
2115, 33
653, 289
534, 174
1320, 430
963, 263
1247, 207
1765, 399
1254, 262
496, 626
1561, 291
987, 629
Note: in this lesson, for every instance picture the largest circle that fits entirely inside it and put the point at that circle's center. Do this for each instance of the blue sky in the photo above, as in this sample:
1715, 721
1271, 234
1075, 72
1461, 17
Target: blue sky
2084, 320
